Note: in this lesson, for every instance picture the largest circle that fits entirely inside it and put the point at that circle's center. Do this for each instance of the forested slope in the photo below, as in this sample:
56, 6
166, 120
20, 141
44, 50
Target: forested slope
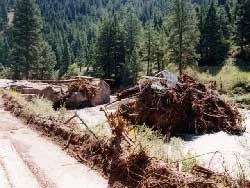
120, 38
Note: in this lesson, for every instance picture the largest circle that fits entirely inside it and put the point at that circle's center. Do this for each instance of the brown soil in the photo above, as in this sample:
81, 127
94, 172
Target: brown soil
106, 155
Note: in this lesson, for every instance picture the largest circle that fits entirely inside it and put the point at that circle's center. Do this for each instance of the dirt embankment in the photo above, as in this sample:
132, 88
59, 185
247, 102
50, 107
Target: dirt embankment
28, 160
122, 169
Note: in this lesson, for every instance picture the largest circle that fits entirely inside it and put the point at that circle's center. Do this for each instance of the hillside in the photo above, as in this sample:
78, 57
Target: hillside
143, 34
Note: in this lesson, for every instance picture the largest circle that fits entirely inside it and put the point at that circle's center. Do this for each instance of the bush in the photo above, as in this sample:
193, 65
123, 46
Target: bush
6, 73
148, 140
73, 70
39, 106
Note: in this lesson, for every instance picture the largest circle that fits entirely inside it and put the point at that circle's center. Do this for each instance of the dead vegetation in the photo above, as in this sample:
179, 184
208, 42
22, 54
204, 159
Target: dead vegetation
74, 93
86, 91
122, 167
185, 106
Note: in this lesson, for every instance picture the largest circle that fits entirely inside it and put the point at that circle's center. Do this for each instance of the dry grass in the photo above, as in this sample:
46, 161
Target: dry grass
226, 76
148, 140
39, 106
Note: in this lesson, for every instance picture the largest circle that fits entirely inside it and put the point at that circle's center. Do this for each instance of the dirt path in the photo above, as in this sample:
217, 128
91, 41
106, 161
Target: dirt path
28, 160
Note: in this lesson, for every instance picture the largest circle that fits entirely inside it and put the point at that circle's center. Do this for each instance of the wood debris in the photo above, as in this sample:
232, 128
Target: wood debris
182, 106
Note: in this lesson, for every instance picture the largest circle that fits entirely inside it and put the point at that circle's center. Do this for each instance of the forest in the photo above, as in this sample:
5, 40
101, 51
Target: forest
119, 39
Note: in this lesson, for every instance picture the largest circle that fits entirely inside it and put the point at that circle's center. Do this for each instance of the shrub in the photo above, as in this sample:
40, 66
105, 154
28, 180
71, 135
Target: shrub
148, 140
6, 72
73, 70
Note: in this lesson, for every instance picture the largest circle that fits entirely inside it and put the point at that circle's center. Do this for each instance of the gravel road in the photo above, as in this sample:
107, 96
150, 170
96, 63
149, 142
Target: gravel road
28, 160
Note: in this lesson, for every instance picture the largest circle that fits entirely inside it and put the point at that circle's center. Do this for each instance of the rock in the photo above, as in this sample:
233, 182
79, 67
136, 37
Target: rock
102, 95
53, 93
75, 92
96, 90
76, 100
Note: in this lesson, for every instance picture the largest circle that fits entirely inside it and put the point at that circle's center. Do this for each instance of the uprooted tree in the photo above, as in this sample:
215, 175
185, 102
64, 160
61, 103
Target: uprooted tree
181, 105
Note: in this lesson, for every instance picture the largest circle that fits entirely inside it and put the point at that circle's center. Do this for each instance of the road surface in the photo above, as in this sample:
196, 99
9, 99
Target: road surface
28, 160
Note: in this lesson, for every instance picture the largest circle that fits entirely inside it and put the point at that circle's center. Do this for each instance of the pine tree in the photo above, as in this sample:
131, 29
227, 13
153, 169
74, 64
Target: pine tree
3, 14
183, 32
243, 24
27, 37
90, 54
4, 51
160, 50
132, 46
47, 62
66, 60
110, 50
212, 43
149, 47
230, 8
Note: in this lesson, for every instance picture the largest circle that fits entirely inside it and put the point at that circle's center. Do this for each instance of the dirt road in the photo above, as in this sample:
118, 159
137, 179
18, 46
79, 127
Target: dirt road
28, 160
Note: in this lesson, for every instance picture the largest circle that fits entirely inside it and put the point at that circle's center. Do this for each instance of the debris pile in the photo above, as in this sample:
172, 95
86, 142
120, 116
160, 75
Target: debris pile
177, 105
87, 91
123, 169
75, 92
49, 91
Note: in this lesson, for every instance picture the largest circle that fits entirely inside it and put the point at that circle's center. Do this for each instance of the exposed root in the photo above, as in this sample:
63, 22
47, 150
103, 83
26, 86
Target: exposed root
189, 107
121, 168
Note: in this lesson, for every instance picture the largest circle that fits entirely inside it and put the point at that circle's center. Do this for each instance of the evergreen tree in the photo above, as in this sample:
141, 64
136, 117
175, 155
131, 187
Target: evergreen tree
4, 50
47, 62
66, 60
243, 24
3, 14
160, 50
27, 37
110, 50
223, 20
183, 32
132, 46
149, 47
230, 8
91, 54
212, 43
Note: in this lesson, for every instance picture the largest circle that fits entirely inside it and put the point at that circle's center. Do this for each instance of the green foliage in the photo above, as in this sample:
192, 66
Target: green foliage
148, 140
27, 37
3, 14
47, 61
73, 70
32, 57
6, 72
117, 39
110, 50
189, 163
66, 60
212, 47
132, 47
183, 32
4, 50
149, 46
38, 106
243, 23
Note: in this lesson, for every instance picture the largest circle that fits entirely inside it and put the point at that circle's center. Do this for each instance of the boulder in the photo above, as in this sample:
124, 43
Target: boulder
75, 92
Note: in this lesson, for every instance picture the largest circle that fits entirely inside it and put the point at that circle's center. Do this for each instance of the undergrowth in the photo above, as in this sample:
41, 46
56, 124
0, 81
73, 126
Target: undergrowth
137, 167
39, 106
176, 154
150, 141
